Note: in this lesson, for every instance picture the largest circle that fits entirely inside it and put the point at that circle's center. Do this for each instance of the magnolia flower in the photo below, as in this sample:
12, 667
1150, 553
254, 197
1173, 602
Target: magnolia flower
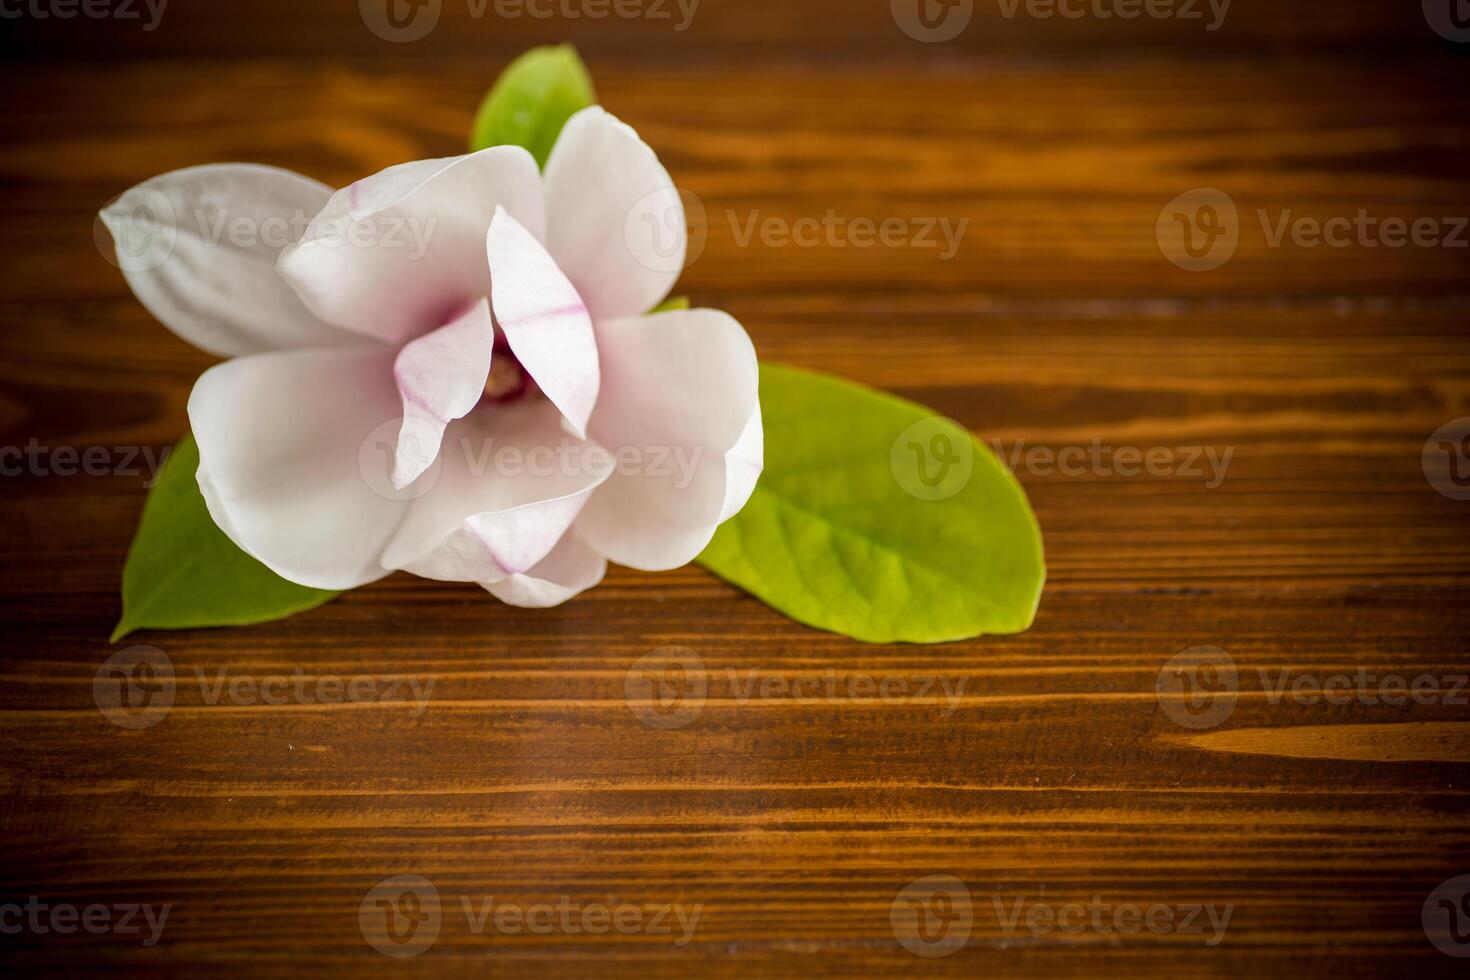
438, 306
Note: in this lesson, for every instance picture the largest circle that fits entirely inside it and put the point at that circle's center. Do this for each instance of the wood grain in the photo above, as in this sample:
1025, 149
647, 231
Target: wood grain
689, 31
1042, 768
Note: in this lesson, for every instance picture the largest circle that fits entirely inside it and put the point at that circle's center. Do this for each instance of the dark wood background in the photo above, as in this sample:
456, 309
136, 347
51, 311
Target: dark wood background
1059, 778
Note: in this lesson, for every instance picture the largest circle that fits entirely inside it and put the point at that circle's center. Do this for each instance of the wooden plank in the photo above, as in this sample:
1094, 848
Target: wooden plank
1040, 770
688, 31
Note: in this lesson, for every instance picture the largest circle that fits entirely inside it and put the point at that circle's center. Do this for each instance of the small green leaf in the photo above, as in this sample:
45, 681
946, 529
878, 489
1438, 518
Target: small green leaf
876, 519
533, 99
183, 572
672, 303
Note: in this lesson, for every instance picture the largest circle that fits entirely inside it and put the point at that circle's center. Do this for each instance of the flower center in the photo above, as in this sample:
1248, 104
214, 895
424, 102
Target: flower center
508, 380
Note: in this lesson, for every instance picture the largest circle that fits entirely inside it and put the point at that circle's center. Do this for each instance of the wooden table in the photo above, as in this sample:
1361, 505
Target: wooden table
1049, 778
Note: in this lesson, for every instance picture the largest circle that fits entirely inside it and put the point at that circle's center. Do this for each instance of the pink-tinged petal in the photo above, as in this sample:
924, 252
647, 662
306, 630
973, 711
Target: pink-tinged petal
199, 249
397, 254
441, 377
544, 320
510, 484
680, 400
280, 440
614, 221
572, 567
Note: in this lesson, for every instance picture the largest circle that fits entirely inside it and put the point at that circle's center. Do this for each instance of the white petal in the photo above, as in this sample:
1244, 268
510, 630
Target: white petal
606, 194
544, 320
572, 567
199, 248
441, 377
280, 440
743, 465
511, 484
397, 254
679, 396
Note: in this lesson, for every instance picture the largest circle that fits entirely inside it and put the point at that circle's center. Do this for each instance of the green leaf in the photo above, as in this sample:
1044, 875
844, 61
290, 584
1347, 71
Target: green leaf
183, 572
532, 100
672, 303
876, 519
